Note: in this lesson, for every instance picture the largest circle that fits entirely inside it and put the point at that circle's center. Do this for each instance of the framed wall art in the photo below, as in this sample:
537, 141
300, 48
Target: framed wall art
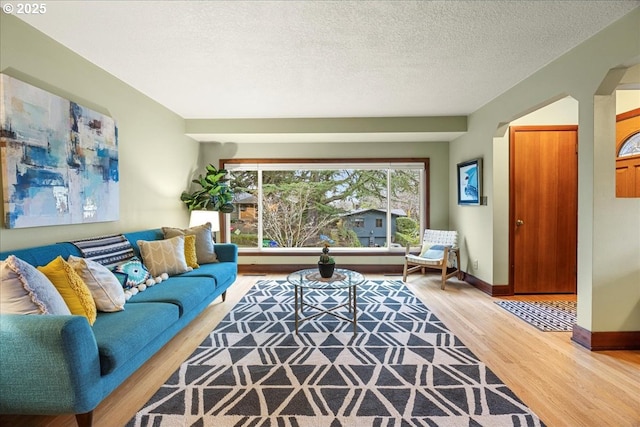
59, 159
470, 182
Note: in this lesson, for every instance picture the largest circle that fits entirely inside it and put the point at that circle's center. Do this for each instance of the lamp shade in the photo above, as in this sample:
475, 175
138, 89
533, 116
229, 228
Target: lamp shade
202, 217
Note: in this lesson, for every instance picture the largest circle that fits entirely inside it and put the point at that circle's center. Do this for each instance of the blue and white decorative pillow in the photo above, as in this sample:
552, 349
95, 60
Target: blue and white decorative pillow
135, 277
131, 273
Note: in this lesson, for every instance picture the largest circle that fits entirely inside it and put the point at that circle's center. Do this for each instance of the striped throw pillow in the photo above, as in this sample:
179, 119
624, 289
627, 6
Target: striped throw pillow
106, 250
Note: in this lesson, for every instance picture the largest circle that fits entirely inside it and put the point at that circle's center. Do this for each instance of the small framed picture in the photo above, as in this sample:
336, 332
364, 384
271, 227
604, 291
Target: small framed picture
470, 182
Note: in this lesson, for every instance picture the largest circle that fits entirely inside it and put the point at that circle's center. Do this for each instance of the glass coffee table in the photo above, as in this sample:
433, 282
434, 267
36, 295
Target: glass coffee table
309, 279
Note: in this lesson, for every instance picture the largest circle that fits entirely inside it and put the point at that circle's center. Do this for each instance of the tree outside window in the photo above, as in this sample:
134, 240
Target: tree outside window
302, 205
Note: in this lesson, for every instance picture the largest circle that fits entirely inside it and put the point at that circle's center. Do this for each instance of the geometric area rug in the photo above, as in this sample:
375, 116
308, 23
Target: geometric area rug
548, 316
402, 368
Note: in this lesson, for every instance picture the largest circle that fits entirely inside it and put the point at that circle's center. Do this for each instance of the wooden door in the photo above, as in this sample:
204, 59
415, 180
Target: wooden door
628, 166
543, 209
628, 176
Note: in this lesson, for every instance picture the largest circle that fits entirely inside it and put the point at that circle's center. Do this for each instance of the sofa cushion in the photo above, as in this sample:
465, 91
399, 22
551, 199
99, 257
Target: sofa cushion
122, 334
26, 290
164, 256
43, 255
105, 288
148, 235
72, 288
185, 292
222, 272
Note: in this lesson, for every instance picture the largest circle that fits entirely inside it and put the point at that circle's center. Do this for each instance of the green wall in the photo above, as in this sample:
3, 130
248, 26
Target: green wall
608, 228
156, 158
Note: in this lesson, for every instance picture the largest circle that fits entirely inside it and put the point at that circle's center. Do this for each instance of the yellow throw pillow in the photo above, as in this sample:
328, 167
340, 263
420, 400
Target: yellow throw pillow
190, 251
74, 291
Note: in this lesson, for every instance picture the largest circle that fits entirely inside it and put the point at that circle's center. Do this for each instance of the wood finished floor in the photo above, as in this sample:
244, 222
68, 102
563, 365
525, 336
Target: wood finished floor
562, 382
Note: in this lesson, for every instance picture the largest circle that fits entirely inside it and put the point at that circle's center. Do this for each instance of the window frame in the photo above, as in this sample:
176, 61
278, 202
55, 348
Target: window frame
347, 163
624, 143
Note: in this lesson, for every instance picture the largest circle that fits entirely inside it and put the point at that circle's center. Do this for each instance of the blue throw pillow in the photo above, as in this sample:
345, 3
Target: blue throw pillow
131, 273
430, 251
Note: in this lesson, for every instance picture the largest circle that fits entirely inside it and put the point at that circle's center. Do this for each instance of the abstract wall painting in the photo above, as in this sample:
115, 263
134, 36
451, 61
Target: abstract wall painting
470, 182
59, 159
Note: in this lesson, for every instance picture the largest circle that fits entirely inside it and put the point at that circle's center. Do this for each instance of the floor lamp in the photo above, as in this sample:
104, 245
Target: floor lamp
202, 217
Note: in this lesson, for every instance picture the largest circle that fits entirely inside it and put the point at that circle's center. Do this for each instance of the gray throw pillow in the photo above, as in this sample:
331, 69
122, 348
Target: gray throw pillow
25, 290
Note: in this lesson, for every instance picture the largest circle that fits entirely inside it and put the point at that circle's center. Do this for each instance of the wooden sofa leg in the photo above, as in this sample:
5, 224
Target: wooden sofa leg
84, 420
224, 296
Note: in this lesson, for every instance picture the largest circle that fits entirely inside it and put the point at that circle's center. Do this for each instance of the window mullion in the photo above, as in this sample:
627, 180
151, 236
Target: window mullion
388, 208
423, 202
260, 210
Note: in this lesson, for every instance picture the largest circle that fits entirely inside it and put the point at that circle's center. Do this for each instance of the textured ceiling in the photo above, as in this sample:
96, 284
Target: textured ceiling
281, 59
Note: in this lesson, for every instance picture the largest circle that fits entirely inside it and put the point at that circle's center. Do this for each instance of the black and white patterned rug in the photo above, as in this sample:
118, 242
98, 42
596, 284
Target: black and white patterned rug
548, 316
402, 368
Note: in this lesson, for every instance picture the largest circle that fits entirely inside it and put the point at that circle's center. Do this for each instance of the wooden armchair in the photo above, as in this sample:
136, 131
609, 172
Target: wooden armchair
439, 250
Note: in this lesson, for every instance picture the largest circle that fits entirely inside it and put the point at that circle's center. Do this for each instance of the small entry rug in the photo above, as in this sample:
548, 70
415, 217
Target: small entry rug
548, 316
402, 368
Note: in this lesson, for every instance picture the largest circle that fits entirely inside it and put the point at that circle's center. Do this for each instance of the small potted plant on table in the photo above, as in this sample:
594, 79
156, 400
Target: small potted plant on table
326, 264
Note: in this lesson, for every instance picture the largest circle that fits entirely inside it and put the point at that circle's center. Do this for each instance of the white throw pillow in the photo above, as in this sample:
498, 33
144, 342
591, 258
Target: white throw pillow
104, 286
25, 290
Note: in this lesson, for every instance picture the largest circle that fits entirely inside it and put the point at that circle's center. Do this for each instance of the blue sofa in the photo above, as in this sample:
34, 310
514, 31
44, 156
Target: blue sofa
60, 364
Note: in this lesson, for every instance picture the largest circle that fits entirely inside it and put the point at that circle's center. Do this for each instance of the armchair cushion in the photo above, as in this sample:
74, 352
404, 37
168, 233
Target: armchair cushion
431, 251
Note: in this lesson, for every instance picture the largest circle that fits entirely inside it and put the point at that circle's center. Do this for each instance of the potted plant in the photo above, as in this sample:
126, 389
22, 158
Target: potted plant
326, 264
214, 193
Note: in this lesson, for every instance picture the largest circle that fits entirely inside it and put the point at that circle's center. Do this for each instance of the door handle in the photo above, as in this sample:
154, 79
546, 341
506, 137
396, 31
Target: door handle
519, 222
